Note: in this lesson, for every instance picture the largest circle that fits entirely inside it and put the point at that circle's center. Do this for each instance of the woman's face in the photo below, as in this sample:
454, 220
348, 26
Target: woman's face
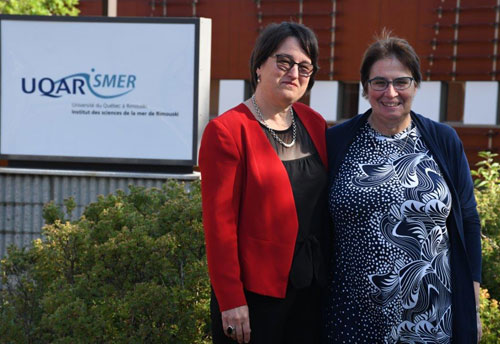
390, 105
285, 87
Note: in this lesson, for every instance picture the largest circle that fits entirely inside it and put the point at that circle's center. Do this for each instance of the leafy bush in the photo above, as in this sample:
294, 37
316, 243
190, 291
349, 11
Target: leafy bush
132, 269
490, 317
487, 191
40, 7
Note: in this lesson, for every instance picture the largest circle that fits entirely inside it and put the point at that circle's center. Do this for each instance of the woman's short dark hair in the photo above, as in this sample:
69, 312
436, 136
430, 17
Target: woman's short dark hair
386, 46
270, 39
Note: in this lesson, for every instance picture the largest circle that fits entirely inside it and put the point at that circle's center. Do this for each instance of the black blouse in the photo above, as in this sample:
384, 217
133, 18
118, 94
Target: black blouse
308, 179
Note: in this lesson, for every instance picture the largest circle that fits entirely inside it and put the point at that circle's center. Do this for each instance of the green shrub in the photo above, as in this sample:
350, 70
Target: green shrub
487, 192
490, 317
40, 7
132, 269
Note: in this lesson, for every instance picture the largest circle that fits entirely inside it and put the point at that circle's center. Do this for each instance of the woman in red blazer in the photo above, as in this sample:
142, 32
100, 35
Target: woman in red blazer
263, 166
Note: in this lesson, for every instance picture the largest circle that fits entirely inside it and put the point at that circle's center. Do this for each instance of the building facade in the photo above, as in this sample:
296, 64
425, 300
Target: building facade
457, 41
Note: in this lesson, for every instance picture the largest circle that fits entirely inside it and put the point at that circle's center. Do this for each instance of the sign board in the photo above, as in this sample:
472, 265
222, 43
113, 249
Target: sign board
104, 90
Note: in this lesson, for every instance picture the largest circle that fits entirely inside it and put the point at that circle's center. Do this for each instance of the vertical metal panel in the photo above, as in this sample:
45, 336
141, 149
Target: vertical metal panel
23, 194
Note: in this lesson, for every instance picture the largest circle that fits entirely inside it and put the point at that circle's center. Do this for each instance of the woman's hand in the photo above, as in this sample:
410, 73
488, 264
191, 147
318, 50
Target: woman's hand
479, 328
478, 317
239, 320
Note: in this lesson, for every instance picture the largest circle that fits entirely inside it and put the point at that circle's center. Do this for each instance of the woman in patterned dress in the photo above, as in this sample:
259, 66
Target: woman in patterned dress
407, 251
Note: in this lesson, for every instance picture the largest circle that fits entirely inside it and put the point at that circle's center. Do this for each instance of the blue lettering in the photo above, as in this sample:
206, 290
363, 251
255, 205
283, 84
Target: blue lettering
79, 87
114, 80
32, 85
131, 81
109, 81
45, 92
63, 86
97, 80
55, 89
121, 80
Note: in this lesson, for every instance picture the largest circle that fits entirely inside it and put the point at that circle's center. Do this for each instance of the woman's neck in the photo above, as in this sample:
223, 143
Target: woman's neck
276, 116
270, 107
389, 128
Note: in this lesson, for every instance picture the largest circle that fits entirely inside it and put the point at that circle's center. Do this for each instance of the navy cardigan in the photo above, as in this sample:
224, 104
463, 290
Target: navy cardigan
463, 223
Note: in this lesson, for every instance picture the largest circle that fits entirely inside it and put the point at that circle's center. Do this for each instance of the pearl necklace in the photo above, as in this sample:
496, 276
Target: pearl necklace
273, 133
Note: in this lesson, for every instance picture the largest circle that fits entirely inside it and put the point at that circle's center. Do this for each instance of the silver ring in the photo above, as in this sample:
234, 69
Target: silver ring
230, 329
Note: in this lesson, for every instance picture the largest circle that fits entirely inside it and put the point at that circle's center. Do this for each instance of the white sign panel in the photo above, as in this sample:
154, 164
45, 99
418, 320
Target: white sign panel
427, 101
100, 90
324, 98
481, 102
231, 93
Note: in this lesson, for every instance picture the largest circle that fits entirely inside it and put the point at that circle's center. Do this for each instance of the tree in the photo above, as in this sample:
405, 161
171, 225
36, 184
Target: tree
40, 7
132, 269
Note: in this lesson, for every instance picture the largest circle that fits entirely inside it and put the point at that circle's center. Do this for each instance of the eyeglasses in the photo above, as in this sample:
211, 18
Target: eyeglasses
285, 63
400, 84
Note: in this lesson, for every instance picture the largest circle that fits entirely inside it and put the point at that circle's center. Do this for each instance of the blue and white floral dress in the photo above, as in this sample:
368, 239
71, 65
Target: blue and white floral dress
391, 274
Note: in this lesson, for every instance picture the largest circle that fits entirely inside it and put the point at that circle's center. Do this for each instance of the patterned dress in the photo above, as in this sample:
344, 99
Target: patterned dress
391, 271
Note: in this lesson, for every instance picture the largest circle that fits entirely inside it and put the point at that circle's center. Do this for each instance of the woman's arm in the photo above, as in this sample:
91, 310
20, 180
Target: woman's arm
470, 216
471, 226
221, 181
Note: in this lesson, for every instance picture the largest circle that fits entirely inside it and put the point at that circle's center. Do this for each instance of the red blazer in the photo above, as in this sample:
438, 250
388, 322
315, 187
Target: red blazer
249, 211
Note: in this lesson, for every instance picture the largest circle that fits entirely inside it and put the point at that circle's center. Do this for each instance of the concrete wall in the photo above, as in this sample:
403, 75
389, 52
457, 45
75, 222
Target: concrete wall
23, 193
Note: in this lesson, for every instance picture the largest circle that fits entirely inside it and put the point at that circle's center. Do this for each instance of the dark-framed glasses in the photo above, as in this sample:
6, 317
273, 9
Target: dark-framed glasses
285, 63
381, 84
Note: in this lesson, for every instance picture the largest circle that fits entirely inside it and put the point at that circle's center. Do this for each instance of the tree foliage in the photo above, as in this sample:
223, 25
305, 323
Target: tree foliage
487, 192
490, 317
40, 7
132, 269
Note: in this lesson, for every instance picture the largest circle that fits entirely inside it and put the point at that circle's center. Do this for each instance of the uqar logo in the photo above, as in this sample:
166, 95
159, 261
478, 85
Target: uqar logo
104, 86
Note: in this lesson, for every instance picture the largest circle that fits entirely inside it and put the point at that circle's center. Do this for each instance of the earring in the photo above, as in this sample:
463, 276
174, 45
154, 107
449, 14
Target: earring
258, 78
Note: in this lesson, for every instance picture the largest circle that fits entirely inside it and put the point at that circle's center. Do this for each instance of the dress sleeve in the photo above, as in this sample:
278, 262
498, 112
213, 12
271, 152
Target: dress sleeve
470, 216
221, 169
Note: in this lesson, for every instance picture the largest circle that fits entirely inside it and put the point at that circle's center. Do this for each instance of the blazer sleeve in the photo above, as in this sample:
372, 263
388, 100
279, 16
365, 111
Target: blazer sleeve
470, 216
221, 169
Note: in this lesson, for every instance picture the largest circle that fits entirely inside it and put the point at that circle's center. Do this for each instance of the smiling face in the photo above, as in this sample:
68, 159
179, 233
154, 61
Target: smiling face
390, 107
277, 85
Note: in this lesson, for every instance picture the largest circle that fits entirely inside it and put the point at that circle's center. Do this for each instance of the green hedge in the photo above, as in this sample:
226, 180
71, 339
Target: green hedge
131, 270
490, 317
40, 7
487, 191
